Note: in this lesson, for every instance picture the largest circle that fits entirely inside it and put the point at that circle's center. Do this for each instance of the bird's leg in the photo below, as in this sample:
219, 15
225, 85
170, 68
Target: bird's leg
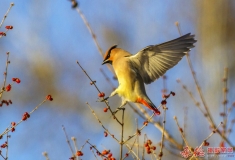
111, 95
124, 102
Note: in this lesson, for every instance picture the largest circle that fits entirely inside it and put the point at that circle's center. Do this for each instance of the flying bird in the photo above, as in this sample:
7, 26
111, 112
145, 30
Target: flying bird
145, 66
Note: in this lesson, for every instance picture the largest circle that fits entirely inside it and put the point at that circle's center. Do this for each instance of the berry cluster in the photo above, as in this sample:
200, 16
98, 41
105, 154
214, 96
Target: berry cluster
49, 97
108, 154
7, 27
17, 80
205, 143
13, 124
148, 146
25, 116
4, 145
5, 102
79, 153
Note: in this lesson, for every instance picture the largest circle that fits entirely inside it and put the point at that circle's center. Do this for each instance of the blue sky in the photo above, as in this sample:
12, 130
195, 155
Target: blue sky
47, 39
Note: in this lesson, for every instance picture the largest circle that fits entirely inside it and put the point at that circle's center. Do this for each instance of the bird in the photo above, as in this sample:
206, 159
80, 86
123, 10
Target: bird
144, 67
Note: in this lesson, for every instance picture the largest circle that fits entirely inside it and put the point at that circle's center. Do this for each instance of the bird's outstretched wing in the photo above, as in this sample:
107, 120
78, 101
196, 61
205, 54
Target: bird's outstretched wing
154, 60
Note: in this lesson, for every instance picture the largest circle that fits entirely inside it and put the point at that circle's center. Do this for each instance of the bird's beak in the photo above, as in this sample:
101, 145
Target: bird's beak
105, 61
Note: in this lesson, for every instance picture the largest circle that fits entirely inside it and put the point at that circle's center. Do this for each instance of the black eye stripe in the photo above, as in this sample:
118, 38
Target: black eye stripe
109, 52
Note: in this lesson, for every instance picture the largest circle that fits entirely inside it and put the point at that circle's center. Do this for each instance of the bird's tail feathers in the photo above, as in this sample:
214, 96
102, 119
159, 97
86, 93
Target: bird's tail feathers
146, 102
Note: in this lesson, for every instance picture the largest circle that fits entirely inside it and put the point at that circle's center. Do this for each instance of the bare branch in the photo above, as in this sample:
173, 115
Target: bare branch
5, 16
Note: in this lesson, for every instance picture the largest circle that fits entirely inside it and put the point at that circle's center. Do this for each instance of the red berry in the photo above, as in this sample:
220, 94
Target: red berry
145, 123
157, 112
9, 27
79, 153
110, 155
105, 109
206, 143
13, 129
17, 80
49, 97
101, 94
105, 134
146, 144
105, 152
25, 116
8, 87
163, 102
13, 123
2, 34
153, 148
173, 93
221, 144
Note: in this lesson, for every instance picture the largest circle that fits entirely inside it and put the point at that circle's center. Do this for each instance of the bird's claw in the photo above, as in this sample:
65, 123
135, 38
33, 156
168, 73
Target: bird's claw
118, 109
103, 100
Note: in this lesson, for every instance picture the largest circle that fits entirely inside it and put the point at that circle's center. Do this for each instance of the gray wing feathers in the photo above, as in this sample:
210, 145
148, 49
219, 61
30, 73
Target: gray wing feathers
153, 61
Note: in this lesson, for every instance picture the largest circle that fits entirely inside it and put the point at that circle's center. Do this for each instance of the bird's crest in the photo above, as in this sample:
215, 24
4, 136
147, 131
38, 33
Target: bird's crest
107, 54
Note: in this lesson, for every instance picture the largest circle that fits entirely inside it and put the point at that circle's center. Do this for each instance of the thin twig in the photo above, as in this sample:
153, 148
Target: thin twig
225, 101
122, 125
92, 34
182, 135
230, 110
191, 96
162, 139
93, 112
145, 137
8, 129
96, 149
208, 115
87, 141
137, 138
5, 75
93, 82
2, 156
94, 154
230, 127
45, 154
90, 30
131, 149
7, 146
213, 132
160, 128
75, 145
164, 91
133, 153
67, 140
185, 120
145, 124
5, 16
